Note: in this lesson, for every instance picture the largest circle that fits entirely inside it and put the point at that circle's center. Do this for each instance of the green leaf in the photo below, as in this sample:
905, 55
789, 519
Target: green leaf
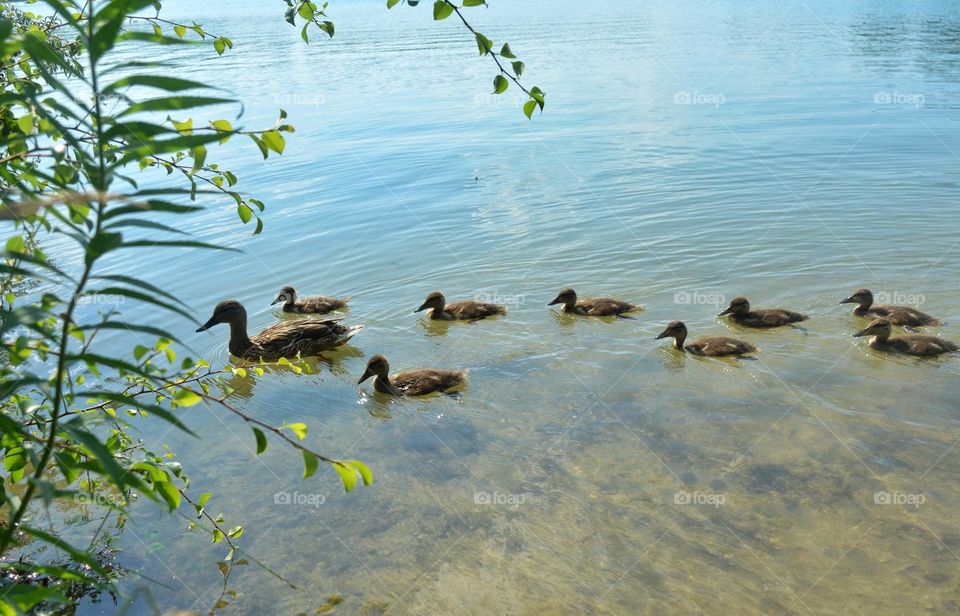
484, 44
25, 123
310, 463
186, 398
103, 243
500, 84
363, 469
506, 52
244, 212
348, 475
15, 244
236, 532
442, 10
528, 108
392, 3
173, 103
261, 440
474, 2
300, 429
273, 140
219, 45
204, 498
180, 30
518, 67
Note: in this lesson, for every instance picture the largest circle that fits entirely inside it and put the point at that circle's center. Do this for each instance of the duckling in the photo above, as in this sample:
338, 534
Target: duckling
417, 382
740, 312
713, 346
897, 315
913, 344
285, 339
595, 307
464, 310
314, 304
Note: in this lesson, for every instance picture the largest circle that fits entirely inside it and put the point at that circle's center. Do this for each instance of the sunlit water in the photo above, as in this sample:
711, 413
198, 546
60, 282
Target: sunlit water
789, 152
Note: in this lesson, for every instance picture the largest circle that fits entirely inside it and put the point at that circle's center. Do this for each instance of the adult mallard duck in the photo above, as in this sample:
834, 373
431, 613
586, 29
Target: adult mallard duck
913, 344
740, 312
713, 346
313, 304
417, 382
594, 306
468, 310
303, 337
897, 315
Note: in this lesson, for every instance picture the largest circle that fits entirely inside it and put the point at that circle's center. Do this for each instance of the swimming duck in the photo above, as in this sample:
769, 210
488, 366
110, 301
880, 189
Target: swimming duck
913, 344
285, 339
897, 315
463, 310
417, 382
713, 346
740, 312
595, 306
314, 304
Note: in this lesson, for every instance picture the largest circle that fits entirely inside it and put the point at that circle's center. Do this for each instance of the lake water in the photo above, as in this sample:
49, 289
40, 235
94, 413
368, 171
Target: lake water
789, 152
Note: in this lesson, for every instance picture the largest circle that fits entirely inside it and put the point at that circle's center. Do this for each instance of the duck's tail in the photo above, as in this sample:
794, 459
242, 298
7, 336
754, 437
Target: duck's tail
349, 333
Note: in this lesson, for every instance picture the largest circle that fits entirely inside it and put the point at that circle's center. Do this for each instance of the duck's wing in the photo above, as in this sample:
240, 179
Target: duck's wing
305, 336
605, 306
425, 380
723, 345
470, 309
322, 303
771, 317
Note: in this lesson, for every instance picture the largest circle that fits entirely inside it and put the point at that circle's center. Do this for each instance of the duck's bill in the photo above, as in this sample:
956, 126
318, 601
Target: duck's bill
555, 301
662, 335
277, 301
726, 312
421, 308
848, 300
366, 375
861, 333
207, 325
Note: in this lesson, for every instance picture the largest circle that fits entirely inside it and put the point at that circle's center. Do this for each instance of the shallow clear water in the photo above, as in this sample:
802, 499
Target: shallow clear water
789, 152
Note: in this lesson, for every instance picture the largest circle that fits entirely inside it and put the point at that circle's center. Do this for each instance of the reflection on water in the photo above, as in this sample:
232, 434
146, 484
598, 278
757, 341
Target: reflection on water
588, 467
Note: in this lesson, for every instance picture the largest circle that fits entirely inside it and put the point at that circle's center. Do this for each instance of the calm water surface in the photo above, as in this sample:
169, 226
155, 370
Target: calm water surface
787, 151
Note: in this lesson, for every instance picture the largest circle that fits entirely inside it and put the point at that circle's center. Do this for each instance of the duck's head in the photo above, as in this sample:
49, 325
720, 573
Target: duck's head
738, 305
861, 297
567, 297
434, 300
377, 366
676, 330
881, 328
287, 294
227, 311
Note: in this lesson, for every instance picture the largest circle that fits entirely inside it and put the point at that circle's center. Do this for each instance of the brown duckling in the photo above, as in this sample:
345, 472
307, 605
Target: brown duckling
740, 312
913, 344
713, 346
417, 382
303, 337
897, 315
469, 309
314, 304
595, 306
